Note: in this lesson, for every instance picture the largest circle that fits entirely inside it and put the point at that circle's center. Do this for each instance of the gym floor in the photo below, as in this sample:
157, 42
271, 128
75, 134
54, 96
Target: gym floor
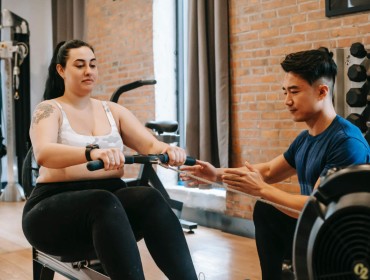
217, 255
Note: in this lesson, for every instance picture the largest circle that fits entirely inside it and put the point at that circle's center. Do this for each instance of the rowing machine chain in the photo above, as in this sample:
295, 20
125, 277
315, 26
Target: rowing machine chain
231, 190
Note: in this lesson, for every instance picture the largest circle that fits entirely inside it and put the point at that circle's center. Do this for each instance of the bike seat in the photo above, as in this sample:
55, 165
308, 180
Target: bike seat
162, 126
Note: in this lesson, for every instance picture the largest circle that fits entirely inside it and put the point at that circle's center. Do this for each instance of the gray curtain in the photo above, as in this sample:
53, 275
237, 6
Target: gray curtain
207, 124
68, 18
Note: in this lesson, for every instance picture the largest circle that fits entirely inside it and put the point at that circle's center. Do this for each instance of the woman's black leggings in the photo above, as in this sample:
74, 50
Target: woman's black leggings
274, 239
73, 223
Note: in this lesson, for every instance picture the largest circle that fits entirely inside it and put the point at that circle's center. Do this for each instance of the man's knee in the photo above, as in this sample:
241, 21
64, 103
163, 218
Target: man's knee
268, 221
264, 212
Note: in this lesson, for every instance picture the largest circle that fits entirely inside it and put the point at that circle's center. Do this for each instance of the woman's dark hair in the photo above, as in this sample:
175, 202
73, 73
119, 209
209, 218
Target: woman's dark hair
311, 65
54, 86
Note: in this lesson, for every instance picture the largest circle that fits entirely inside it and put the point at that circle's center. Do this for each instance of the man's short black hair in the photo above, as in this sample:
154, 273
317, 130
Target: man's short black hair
311, 65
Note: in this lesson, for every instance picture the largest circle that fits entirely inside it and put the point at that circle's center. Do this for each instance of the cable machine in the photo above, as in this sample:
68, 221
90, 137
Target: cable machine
15, 100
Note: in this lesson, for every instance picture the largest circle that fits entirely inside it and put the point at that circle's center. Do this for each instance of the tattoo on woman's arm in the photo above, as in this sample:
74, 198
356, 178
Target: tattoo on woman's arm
42, 112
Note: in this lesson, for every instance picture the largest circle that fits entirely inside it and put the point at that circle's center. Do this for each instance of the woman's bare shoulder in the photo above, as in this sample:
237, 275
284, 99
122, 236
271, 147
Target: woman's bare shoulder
117, 108
44, 110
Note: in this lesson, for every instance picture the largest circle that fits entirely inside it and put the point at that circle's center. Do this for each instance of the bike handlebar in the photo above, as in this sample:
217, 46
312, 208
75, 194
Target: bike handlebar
142, 159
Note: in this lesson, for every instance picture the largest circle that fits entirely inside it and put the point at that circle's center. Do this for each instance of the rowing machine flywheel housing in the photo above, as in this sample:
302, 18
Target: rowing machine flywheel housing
332, 237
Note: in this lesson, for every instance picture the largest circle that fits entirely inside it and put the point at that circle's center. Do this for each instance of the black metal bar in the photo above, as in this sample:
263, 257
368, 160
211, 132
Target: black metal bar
40, 272
149, 176
47, 273
115, 96
37, 267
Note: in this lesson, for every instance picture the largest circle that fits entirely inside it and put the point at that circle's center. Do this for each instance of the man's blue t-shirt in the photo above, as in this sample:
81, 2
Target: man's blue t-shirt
341, 144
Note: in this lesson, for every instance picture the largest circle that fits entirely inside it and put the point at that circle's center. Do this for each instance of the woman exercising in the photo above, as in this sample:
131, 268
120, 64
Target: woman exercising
72, 211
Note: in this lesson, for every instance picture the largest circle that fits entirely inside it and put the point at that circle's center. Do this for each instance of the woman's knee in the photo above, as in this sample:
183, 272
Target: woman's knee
102, 198
152, 195
102, 202
143, 196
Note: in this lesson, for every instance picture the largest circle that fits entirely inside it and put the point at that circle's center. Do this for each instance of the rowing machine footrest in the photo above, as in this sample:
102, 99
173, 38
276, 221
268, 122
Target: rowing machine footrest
188, 225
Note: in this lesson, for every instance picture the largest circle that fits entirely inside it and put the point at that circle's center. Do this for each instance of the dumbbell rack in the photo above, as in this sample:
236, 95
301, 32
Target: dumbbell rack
352, 97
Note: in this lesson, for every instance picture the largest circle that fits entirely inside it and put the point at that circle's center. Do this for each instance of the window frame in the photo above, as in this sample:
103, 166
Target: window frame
330, 12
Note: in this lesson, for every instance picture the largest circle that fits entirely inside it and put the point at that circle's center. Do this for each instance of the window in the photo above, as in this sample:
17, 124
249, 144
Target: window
169, 47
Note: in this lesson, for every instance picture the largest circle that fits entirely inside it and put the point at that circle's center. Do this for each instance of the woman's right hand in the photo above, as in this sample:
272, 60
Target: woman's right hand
112, 158
202, 169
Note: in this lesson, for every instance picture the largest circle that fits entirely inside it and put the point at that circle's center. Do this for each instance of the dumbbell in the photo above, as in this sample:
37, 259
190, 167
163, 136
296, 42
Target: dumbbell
358, 120
357, 73
367, 134
358, 97
358, 50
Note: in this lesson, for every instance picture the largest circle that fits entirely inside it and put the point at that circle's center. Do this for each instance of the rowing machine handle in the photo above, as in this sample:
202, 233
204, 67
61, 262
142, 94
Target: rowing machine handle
99, 164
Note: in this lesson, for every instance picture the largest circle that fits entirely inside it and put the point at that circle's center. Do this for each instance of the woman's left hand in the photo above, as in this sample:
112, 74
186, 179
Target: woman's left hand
176, 155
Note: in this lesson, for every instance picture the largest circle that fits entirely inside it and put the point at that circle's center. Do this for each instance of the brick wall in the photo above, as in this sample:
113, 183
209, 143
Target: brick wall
262, 32
121, 33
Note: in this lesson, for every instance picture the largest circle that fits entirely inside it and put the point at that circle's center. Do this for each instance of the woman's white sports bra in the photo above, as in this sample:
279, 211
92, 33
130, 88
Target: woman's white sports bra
68, 136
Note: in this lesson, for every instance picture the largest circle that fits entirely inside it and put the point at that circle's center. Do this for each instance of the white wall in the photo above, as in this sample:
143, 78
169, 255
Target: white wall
38, 15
